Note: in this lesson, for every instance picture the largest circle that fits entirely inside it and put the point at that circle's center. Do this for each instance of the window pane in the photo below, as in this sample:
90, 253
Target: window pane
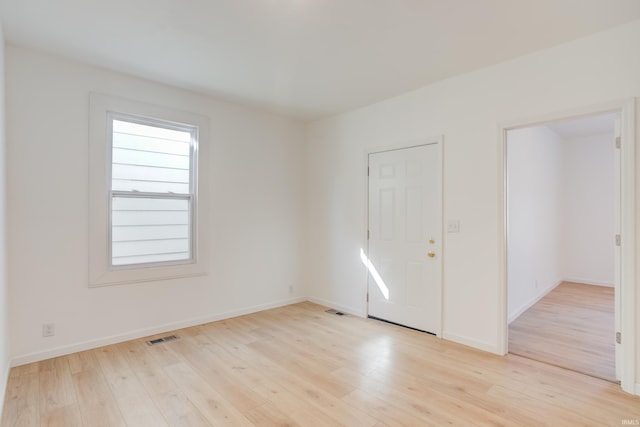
147, 230
151, 258
150, 174
142, 143
150, 158
131, 128
124, 156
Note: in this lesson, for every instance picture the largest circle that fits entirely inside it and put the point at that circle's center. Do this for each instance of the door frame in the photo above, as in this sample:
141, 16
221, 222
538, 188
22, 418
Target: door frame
626, 310
438, 141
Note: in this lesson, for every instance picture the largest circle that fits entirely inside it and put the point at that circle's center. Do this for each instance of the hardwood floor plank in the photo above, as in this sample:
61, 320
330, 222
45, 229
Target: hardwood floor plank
300, 366
221, 377
553, 414
56, 385
314, 393
172, 402
97, 405
66, 416
303, 366
21, 405
267, 415
135, 404
82, 361
215, 408
571, 327
427, 402
383, 409
251, 370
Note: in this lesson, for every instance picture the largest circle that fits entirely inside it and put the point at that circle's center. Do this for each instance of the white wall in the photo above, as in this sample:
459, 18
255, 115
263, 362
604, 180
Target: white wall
255, 229
468, 111
561, 213
535, 235
588, 209
4, 288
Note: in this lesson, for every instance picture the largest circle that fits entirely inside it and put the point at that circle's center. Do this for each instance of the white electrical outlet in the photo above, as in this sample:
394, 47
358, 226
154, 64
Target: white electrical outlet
48, 329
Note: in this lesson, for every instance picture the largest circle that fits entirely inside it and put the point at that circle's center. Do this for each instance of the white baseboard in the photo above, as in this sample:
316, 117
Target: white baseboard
589, 282
513, 316
637, 393
339, 307
470, 342
140, 333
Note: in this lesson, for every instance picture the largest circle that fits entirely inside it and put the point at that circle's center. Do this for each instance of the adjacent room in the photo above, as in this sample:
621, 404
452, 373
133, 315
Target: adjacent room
562, 192
318, 212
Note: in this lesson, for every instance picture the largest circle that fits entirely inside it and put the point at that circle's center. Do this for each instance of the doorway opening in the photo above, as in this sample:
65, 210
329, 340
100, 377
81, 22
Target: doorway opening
568, 216
561, 195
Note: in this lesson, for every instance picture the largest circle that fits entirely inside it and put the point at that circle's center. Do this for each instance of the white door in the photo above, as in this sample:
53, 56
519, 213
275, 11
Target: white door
405, 236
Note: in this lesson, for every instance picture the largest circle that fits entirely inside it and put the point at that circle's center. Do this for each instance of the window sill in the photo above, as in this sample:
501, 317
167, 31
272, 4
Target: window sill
141, 275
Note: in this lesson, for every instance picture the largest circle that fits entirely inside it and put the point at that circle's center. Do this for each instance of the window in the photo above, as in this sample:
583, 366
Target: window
152, 191
144, 204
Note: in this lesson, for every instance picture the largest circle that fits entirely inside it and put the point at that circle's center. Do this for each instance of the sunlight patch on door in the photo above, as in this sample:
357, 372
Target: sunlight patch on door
374, 273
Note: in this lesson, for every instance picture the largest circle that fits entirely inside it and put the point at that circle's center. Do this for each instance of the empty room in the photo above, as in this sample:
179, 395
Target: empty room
301, 212
562, 187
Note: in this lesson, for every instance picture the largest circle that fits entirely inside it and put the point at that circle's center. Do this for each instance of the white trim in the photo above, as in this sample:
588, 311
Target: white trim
471, 342
432, 140
100, 273
402, 145
589, 282
628, 296
532, 302
141, 333
169, 275
615, 106
626, 108
503, 304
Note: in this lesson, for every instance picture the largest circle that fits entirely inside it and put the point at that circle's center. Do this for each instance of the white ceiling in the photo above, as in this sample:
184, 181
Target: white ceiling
304, 58
585, 126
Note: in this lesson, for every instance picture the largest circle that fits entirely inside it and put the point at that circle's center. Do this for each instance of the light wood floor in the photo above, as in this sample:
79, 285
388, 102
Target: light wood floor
572, 327
298, 365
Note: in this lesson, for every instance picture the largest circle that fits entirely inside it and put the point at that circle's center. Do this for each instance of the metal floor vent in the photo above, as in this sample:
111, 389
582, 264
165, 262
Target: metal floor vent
163, 339
336, 312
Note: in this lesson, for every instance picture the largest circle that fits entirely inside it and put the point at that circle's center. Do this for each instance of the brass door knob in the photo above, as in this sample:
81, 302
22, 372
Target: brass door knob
431, 254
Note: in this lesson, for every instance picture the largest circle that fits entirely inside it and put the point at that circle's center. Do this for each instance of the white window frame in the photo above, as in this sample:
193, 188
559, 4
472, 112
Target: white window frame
103, 109
191, 197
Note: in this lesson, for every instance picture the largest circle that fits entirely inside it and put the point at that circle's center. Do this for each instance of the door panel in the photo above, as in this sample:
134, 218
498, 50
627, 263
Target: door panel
405, 225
